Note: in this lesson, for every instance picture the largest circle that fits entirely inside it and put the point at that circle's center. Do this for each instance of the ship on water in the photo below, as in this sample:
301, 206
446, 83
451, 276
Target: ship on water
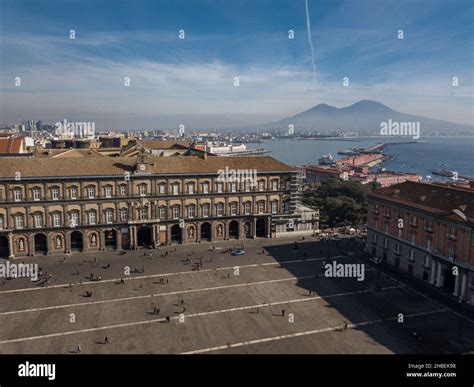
326, 160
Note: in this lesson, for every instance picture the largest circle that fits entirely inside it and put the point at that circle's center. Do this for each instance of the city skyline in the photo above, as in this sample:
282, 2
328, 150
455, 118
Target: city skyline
190, 81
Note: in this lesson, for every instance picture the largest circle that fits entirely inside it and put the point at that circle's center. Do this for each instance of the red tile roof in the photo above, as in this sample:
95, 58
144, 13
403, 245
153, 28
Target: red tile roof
440, 199
11, 145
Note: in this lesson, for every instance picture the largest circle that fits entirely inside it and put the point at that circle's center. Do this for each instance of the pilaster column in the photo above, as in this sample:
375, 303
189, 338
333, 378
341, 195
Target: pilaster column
433, 272
463, 286
102, 239
31, 244
118, 234
10, 244
438, 277
456, 284
67, 242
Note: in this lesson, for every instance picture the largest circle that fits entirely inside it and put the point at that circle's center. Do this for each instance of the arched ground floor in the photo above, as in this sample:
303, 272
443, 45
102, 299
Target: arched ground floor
132, 236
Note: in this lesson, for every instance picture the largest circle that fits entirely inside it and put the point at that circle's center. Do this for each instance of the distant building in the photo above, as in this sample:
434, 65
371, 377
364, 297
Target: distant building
427, 231
385, 178
320, 174
158, 148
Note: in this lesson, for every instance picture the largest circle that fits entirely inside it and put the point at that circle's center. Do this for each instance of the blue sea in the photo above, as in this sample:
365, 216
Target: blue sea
454, 153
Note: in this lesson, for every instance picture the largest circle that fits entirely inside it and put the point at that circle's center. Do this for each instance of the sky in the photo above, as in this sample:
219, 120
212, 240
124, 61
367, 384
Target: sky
192, 81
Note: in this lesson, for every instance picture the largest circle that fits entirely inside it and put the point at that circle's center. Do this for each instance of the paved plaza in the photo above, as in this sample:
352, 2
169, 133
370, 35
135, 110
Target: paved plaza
273, 299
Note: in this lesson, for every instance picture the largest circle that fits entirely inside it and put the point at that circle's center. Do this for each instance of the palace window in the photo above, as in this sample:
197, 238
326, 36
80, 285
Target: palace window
427, 261
36, 194
261, 207
205, 210
74, 219
142, 189
55, 193
176, 212
91, 192
274, 207
248, 186
247, 208
261, 185
57, 219
191, 211
176, 189
73, 192
429, 241
233, 209
108, 191
123, 190
219, 187
162, 189
109, 216
2, 224
123, 214
92, 217
17, 196
38, 220
397, 248
220, 209
275, 185
191, 189
143, 214
233, 186
205, 188
429, 225
162, 212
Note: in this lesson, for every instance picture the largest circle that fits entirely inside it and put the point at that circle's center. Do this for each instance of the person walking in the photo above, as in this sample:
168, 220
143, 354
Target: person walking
79, 349
106, 340
283, 312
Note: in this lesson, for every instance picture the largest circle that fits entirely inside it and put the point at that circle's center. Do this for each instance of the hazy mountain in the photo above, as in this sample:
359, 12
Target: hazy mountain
363, 116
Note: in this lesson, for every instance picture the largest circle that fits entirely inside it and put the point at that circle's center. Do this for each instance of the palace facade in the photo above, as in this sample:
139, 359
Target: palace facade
427, 231
61, 205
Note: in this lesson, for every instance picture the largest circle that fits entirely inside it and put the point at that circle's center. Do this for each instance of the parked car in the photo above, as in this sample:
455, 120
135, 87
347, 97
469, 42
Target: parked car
239, 252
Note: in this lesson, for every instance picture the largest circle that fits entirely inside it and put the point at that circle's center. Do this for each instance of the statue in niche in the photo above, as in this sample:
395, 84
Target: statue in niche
58, 242
21, 245
219, 230
191, 232
93, 240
